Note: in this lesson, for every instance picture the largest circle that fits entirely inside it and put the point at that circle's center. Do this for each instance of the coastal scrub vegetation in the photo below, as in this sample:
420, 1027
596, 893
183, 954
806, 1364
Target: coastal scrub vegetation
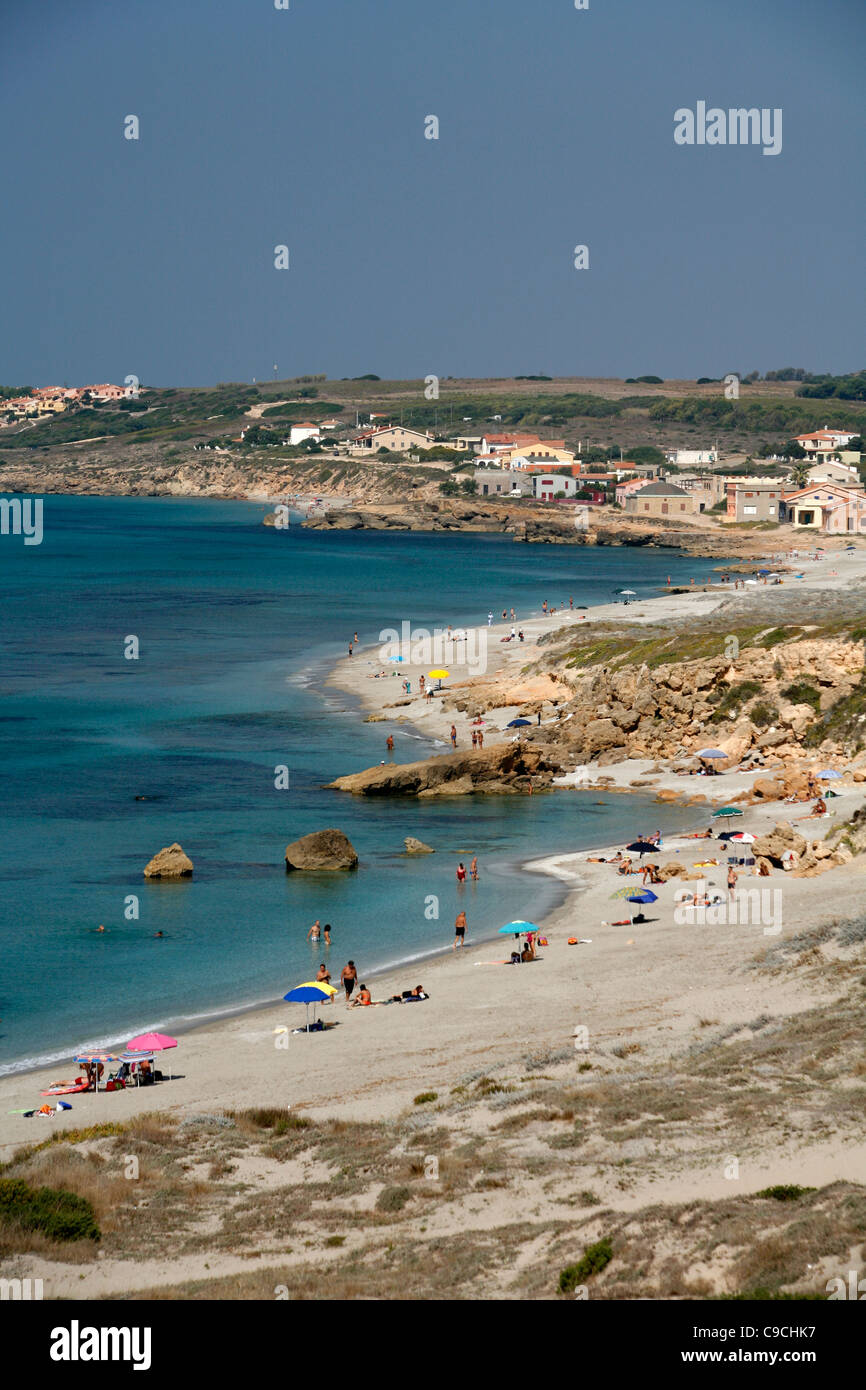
54, 1213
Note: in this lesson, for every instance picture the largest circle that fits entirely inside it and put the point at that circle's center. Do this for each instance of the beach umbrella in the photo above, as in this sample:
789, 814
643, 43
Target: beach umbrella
641, 847
727, 811
751, 581
310, 993
440, 674
643, 895
829, 774
518, 723
94, 1059
712, 753
743, 837
517, 928
630, 592
152, 1042
131, 1057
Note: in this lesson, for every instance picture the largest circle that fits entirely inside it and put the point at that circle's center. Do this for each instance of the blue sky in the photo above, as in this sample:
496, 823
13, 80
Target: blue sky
411, 256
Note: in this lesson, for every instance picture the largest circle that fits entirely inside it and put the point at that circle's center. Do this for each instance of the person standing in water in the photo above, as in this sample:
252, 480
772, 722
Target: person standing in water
461, 873
327, 933
459, 931
314, 932
389, 743
473, 869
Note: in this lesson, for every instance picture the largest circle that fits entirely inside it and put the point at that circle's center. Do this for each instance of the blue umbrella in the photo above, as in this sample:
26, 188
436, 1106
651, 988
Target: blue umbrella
711, 753
643, 896
306, 994
517, 928
829, 773
765, 571
518, 723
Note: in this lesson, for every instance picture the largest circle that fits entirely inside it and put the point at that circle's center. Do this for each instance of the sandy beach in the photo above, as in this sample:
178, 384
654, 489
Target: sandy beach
650, 988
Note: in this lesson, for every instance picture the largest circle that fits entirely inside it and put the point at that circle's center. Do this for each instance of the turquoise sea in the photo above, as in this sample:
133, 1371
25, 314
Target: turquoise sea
237, 625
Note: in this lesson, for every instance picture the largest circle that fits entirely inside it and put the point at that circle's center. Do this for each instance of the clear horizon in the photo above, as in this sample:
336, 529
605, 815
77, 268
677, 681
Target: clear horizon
307, 128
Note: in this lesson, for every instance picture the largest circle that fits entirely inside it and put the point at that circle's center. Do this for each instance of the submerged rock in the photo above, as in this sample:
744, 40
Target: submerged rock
171, 862
323, 849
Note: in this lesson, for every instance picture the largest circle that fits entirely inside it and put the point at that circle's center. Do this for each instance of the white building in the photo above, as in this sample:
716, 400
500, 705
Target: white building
303, 431
548, 486
689, 458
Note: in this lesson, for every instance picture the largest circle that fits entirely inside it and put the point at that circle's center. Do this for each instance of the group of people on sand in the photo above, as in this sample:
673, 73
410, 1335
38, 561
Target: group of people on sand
349, 979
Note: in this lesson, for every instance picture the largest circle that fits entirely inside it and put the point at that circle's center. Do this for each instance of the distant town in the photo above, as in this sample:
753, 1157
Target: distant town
814, 481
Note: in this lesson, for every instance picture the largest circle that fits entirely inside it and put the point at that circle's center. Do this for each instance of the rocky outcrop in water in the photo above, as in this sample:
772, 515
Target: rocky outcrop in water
322, 849
508, 768
170, 862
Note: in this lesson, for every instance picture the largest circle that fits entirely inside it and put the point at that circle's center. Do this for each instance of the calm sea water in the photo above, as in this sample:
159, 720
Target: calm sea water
237, 625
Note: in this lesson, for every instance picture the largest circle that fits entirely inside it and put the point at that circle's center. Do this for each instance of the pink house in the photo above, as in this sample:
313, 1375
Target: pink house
106, 392
624, 490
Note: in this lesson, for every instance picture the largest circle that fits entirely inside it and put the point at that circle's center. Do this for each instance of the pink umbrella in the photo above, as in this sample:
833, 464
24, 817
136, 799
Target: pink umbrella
151, 1042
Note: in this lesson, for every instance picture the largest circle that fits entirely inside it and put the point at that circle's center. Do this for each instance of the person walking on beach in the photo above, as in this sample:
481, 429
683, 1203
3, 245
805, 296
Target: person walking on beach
473, 869
461, 873
459, 931
732, 879
453, 736
474, 738
480, 738
348, 978
314, 932
544, 608
421, 683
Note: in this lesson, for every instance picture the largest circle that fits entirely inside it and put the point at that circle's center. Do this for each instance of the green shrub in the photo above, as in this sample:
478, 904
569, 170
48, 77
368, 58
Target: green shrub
393, 1198
803, 693
763, 713
593, 1261
789, 1192
57, 1214
425, 1097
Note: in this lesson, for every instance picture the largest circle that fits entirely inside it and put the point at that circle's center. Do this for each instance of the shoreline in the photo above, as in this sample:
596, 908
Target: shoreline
216, 1066
215, 1048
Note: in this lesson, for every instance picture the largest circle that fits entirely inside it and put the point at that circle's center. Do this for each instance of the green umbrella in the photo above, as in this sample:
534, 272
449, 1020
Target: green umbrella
727, 811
